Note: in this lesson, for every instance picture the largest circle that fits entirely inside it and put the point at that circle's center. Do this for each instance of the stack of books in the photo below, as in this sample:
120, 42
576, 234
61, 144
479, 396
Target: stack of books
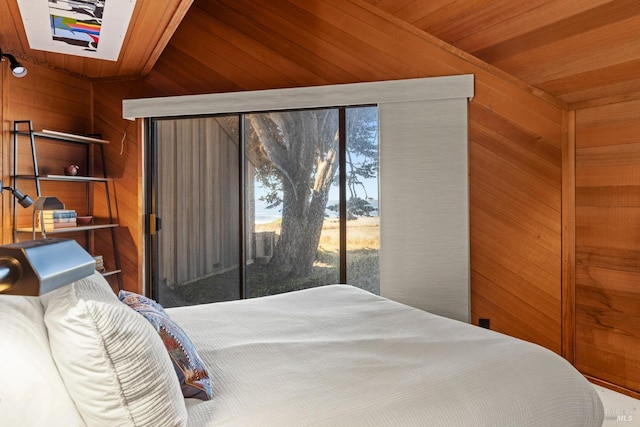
99, 263
56, 219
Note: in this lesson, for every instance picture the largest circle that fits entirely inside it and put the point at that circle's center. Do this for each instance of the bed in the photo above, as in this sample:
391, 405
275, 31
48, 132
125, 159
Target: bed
328, 356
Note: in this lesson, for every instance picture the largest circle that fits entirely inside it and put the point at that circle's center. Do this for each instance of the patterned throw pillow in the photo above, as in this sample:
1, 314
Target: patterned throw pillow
192, 374
131, 298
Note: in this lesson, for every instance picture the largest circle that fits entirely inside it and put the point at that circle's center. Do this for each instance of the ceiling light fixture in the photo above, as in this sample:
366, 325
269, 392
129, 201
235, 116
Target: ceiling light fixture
17, 68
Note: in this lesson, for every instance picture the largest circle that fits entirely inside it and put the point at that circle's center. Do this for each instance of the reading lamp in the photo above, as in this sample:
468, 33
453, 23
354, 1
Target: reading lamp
35, 267
17, 69
24, 200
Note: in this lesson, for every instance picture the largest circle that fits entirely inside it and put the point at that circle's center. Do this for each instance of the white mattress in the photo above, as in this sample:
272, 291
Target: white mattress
340, 356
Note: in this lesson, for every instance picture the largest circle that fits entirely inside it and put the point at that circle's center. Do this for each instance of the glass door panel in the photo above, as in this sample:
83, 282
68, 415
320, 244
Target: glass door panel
197, 202
293, 159
363, 217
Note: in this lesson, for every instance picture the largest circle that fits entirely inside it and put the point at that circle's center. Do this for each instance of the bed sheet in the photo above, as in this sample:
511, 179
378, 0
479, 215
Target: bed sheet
340, 356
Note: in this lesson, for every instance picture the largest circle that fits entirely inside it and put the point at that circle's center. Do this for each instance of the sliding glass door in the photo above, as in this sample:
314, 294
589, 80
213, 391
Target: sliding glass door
257, 204
195, 250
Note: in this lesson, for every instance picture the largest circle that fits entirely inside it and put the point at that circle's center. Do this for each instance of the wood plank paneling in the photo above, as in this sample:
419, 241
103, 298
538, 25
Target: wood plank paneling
54, 99
578, 52
608, 243
583, 52
550, 32
51, 100
58, 101
124, 164
568, 297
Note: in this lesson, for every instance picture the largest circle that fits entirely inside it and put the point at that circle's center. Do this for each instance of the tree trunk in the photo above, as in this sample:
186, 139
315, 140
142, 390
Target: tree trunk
297, 248
302, 148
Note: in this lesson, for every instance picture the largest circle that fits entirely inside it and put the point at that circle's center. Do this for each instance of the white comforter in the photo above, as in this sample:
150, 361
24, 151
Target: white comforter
340, 356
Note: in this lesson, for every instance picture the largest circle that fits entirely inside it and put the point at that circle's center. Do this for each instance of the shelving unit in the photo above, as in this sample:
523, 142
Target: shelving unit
91, 147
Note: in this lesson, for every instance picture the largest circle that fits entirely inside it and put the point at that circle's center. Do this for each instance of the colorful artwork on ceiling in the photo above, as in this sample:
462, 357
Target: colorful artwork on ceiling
77, 23
91, 28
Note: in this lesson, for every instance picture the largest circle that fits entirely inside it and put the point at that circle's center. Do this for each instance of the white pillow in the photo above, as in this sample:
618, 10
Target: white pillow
31, 390
111, 359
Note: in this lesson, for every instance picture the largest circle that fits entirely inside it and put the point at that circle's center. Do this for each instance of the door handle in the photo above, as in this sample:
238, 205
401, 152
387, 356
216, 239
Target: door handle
155, 224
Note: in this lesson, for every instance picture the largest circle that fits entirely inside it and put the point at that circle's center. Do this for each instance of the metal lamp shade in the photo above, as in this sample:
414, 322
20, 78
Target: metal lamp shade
36, 267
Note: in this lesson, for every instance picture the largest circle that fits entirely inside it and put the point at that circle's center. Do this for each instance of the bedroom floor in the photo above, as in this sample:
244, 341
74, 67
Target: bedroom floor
620, 410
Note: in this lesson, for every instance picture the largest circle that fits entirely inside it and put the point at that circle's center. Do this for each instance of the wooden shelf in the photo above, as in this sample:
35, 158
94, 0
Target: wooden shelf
66, 178
68, 229
110, 273
75, 178
66, 137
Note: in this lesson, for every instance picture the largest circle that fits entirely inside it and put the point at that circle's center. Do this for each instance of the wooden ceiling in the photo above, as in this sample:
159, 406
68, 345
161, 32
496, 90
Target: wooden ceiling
575, 50
583, 52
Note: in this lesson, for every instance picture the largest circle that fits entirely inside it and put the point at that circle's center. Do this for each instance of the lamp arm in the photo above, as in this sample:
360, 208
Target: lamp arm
24, 200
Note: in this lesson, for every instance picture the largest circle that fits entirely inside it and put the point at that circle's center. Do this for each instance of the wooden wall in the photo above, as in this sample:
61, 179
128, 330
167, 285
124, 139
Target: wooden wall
51, 100
515, 132
607, 217
517, 137
124, 163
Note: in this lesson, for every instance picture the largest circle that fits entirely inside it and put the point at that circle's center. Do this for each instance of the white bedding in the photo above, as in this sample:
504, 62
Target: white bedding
340, 356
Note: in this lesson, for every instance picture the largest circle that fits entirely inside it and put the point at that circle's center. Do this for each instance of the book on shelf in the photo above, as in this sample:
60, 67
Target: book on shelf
57, 225
59, 214
57, 220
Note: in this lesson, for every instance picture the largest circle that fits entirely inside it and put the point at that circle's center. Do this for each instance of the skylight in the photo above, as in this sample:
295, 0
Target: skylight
90, 28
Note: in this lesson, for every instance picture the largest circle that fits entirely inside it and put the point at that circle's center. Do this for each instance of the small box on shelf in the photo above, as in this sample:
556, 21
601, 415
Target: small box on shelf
99, 263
